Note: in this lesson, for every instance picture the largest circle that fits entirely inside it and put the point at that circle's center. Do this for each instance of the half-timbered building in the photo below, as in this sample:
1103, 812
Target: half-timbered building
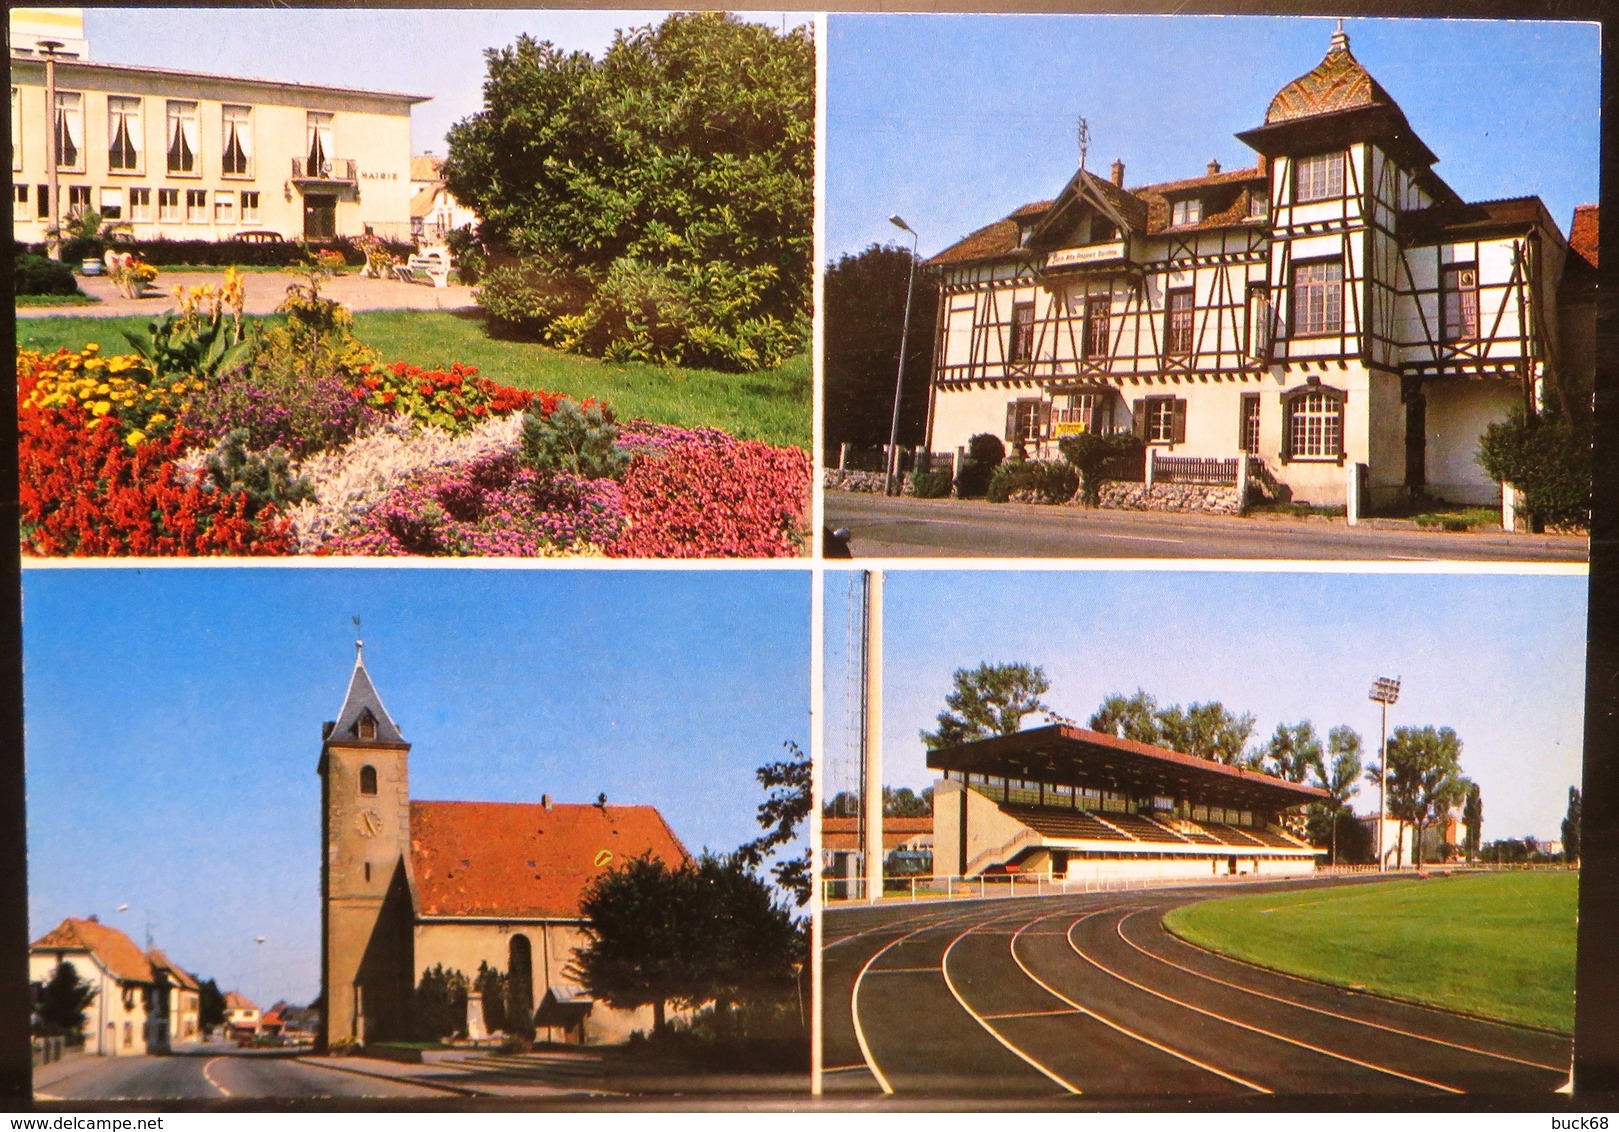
1335, 310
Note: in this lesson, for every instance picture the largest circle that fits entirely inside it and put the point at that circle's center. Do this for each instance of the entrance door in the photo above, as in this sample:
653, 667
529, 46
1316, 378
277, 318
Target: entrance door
1416, 442
320, 216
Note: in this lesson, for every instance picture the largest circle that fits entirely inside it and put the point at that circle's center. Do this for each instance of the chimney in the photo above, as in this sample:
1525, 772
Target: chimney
1214, 166
1118, 172
545, 801
93, 918
1264, 164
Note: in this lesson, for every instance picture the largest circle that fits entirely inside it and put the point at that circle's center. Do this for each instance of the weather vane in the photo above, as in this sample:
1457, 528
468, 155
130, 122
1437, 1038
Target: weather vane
359, 645
1084, 140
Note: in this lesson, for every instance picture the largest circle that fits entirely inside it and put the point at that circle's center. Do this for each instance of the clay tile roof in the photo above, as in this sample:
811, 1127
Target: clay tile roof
425, 167
843, 833
235, 1001
1337, 83
112, 948
521, 860
1582, 234
179, 975
992, 240
422, 203
1227, 184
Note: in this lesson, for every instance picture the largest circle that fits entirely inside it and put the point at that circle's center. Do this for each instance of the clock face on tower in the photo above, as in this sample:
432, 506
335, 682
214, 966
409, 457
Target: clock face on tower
370, 823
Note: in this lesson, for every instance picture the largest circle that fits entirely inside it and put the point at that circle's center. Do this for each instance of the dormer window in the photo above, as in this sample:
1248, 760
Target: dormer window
1258, 205
366, 726
1185, 212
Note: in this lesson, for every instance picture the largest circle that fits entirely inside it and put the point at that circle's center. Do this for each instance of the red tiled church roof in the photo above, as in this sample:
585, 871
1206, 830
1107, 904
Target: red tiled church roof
522, 860
115, 950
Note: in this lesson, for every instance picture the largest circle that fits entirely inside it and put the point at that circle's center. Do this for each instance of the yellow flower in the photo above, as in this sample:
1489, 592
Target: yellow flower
92, 348
134, 437
100, 408
158, 418
102, 389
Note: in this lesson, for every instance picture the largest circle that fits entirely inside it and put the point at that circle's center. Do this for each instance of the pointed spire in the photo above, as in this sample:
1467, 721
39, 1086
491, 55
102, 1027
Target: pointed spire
1340, 39
362, 703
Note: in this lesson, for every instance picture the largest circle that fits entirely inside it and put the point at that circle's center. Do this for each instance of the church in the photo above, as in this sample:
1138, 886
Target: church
407, 886
1335, 315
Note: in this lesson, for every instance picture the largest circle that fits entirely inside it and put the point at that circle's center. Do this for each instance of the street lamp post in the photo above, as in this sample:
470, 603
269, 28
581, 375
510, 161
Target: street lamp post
53, 234
258, 974
1385, 691
899, 382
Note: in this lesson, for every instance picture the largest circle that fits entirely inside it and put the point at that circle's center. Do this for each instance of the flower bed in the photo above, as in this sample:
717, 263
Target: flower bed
117, 459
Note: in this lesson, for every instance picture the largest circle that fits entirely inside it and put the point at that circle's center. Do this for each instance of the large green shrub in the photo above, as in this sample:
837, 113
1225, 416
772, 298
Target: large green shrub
37, 275
984, 454
1548, 458
581, 439
930, 485
1052, 481
673, 178
1094, 454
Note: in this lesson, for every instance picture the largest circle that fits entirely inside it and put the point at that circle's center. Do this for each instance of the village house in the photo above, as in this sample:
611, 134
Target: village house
242, 1015
1335, 314
408, 886
434, 210
182, 155
142, 1001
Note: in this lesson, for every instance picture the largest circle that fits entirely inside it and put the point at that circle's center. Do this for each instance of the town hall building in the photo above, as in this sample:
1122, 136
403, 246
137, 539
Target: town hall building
1335, 315
408, 886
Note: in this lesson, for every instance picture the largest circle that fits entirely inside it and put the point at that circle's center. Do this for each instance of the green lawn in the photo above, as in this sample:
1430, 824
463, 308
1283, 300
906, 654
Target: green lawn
1499, 945
772, 405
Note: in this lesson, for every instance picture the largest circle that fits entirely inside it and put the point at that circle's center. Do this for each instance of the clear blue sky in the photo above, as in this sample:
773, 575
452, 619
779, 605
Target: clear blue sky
416, 50
954, 121
1500, 658
173, 724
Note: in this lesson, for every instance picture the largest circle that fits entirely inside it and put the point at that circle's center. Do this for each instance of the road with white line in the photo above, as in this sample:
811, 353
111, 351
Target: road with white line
1057, 997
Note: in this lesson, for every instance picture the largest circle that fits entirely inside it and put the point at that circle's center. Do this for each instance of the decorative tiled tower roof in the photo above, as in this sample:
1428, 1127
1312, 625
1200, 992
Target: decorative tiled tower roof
1337, 83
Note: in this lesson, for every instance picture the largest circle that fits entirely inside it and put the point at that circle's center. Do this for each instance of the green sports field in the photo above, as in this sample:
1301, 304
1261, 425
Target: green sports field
1500, 945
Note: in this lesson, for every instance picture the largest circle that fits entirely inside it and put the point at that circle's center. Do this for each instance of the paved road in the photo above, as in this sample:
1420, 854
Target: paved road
1045, 998
265, 290
209, 1075
906, 527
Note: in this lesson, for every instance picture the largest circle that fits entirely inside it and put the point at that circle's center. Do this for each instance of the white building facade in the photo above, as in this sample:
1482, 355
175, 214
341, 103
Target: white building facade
1334, 311
186, 156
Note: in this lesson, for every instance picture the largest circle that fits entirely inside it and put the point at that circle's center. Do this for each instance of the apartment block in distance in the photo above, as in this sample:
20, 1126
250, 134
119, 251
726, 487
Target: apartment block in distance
186, 156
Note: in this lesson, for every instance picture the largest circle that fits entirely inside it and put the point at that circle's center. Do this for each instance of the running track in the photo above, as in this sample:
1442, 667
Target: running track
1046, 998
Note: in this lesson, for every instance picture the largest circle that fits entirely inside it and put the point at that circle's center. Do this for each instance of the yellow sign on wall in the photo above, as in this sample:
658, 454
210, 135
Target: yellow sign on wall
1068, 428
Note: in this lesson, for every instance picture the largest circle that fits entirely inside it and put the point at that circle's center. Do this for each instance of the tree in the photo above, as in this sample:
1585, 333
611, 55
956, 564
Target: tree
210, 1006
656, 205
864, 301
441, 1004
1127, 717
63, 1002
991, 699
905, 803
1424, 777
1338, 780
1293, 751
781, 813
1208, 731
1473, 819
1571, 827
701, 931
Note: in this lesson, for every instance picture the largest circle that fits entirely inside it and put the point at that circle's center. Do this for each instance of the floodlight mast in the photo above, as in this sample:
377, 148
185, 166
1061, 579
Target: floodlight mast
892, 467
1385, 691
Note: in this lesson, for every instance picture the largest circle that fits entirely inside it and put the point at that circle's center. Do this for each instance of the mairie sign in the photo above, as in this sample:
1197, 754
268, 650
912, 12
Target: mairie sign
1091, 253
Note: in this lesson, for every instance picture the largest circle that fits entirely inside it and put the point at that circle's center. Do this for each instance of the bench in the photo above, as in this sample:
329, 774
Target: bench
431, 267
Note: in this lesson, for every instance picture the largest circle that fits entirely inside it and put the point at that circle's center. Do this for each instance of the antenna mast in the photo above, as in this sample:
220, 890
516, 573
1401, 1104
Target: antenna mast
1084, 141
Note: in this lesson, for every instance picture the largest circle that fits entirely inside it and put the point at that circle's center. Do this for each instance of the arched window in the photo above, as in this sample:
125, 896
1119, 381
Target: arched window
1313, 424
520, 1003
368, 780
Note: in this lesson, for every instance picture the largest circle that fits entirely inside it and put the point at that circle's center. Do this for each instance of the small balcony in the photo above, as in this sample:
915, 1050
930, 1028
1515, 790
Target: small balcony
332, 171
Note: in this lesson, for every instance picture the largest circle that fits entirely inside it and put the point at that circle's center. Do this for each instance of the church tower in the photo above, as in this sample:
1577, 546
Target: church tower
366, 954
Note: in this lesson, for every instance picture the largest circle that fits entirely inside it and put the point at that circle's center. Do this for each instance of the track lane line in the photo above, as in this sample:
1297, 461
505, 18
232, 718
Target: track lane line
1257, 1029
944, 967
1330, 1013
1126, 1031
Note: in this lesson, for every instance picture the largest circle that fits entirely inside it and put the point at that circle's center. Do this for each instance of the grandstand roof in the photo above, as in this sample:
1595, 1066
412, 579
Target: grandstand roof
1073, 756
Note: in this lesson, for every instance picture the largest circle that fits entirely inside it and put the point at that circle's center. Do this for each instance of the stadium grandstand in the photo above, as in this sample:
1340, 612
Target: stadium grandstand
1067, 803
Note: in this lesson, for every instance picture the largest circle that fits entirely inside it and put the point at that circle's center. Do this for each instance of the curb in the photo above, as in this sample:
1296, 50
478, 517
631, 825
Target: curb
453, 1090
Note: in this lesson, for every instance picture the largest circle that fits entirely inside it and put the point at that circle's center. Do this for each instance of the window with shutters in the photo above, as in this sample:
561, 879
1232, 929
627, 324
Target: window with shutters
1021, 348
1178, 330
1318, 297
1098, 310
70, 131
181, 139
1319, 177
123, 134
1460, 291
1313, 422
1161, 420
1026, 419
1259, 322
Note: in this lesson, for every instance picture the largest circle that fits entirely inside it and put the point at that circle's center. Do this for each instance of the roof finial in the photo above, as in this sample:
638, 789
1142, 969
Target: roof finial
1340, 39
1084, 141
359, 645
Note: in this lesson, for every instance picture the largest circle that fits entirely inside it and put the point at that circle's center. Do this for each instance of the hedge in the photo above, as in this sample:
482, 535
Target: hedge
227, 253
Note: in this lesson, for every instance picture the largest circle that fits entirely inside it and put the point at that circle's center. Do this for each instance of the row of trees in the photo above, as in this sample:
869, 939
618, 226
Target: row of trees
1425, 781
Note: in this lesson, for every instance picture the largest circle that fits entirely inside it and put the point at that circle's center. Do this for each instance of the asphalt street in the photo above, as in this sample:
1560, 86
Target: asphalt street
906, 527
209, 1074
1046, 998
